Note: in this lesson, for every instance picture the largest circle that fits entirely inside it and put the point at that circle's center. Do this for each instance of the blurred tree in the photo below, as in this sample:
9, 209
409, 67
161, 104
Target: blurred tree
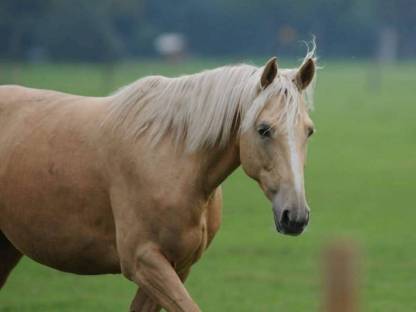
398, 16
105, 30
79, 29
18, 19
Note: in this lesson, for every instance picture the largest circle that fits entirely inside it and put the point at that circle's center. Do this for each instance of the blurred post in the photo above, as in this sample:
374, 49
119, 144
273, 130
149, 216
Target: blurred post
341, 277
386, 53
388, 46
15, 74
108, 77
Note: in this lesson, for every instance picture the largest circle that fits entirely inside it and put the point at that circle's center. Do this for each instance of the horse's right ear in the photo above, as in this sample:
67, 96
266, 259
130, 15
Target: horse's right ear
269, 73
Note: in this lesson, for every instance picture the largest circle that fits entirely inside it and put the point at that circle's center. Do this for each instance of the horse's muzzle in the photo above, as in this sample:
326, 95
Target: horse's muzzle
291, 221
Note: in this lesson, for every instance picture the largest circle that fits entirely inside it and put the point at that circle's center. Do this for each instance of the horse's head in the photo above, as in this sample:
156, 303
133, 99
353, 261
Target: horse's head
273, 147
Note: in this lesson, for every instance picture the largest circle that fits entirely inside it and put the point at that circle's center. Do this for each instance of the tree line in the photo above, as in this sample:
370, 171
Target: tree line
107, 30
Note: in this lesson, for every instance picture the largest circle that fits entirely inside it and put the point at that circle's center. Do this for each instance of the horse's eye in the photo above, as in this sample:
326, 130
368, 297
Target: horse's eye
264, 131
310, 131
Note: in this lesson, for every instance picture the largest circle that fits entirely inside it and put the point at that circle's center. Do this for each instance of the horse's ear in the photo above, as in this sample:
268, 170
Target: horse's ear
305, 74
269, 73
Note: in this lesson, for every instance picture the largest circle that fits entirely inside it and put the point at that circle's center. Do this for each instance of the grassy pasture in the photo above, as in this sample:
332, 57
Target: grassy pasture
360, 181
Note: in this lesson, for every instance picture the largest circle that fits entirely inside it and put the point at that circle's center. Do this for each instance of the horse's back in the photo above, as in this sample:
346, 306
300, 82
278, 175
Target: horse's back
17, 103
18, 95
23, 111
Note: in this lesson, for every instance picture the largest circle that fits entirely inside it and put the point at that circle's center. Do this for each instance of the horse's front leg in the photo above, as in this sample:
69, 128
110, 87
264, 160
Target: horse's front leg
159, 281
143, 303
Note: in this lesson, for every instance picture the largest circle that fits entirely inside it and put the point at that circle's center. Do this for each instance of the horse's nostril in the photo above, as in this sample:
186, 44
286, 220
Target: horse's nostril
285, 218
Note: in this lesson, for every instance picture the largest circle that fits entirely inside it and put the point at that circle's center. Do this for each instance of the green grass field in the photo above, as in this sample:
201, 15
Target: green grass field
360, 181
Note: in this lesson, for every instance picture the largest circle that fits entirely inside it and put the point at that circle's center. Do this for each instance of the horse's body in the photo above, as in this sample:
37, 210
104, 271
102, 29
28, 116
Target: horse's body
56, 169
50, 182
81, 195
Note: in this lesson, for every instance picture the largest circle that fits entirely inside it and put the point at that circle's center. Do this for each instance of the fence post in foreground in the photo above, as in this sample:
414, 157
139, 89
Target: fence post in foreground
341, 277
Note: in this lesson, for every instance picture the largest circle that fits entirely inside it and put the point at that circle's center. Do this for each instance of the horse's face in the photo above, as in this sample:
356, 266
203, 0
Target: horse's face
273, 152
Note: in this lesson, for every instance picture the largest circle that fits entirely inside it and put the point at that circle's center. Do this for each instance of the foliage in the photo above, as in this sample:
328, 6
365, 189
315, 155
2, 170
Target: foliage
107, 30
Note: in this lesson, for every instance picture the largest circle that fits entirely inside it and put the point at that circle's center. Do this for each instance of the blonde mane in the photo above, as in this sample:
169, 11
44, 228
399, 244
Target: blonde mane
204, 109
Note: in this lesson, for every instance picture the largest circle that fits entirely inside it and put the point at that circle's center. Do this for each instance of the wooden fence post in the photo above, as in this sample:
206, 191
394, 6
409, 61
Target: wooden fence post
341, 277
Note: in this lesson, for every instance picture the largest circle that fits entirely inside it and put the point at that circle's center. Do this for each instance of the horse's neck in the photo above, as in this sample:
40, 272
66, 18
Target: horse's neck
217, 164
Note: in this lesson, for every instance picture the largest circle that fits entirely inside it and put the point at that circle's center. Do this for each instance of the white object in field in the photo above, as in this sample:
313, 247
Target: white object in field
170, 44
388, 45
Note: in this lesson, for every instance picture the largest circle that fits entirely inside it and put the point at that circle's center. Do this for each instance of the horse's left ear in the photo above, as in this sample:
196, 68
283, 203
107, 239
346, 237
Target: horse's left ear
269, 72
305, 74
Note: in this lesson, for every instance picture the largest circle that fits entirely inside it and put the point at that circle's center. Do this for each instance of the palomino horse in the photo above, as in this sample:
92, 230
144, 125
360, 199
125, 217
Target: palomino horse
130, 183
